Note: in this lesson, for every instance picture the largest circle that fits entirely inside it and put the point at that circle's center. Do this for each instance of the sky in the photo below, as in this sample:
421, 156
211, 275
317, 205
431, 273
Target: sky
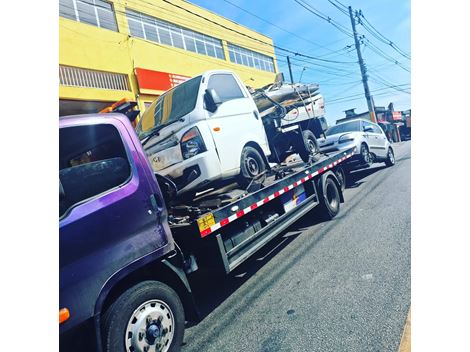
340, 82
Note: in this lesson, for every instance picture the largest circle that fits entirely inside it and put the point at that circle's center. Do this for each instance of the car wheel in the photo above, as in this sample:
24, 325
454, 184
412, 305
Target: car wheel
309, 147
146, 317
252, 167
390, 161
366, 158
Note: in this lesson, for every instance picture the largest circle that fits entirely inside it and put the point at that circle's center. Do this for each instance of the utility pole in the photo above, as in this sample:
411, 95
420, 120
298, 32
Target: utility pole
290, 71
370, 101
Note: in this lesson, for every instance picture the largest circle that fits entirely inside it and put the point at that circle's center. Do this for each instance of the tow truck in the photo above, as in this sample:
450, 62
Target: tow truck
129, 247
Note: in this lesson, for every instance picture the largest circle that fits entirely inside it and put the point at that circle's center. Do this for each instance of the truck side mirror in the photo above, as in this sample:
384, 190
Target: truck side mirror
368, 129
212, 100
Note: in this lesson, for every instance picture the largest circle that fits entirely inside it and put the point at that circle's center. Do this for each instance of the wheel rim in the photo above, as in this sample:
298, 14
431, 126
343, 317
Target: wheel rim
150, 328
252, 166
331, 196
365, 154
311, 146
391, 157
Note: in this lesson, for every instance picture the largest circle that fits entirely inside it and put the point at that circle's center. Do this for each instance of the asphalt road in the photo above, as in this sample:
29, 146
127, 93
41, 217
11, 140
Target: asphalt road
342, 285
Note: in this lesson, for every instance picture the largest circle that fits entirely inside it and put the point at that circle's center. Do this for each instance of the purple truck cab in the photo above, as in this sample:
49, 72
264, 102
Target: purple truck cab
113, 228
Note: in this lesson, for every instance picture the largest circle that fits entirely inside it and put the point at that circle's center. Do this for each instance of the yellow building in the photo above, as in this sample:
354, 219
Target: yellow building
137, 49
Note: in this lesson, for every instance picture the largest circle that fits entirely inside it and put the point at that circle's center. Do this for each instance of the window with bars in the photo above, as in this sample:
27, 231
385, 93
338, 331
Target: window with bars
80, 77
250, 58
159, 31
95, 12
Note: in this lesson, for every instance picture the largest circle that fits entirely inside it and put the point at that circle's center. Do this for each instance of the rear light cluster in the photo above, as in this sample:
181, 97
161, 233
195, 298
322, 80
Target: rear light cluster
192, 143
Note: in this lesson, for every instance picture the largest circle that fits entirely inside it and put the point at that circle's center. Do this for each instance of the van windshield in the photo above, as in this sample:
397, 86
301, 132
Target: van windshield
169, 107
353, 126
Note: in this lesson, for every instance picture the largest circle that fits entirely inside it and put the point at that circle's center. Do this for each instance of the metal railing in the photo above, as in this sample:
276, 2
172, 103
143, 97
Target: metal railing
80, 77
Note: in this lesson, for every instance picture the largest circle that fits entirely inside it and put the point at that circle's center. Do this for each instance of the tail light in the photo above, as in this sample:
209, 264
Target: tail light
192, 143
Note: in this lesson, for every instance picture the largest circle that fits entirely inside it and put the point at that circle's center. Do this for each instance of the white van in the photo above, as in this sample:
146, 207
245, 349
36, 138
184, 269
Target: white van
205, 130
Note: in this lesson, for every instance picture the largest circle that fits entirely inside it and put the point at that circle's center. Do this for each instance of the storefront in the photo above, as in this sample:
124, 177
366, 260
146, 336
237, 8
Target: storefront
115, 50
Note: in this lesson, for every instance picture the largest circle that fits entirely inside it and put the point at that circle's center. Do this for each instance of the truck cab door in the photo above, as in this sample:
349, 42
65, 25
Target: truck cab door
235, 122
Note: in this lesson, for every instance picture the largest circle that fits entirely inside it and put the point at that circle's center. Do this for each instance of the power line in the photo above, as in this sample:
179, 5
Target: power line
246, 35
324, 17
381, 37
278, 27
379, 52
345, 12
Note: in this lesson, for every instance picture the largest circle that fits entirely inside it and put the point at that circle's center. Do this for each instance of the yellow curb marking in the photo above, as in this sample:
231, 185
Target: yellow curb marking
405, 343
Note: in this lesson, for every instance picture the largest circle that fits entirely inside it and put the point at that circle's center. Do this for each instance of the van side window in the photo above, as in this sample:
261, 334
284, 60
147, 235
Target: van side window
226, 87
377, 129
92, 160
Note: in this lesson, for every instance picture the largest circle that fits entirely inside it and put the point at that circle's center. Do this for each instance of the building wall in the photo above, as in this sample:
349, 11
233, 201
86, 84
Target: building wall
87, 46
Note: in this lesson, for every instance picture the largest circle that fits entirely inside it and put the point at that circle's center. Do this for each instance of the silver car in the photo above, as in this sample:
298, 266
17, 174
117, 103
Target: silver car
369, 139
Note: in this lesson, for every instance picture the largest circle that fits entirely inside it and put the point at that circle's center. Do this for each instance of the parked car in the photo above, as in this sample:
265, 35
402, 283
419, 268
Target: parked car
369, 139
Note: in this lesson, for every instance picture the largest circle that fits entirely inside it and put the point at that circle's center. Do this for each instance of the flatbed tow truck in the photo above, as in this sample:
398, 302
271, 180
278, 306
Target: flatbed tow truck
128, 249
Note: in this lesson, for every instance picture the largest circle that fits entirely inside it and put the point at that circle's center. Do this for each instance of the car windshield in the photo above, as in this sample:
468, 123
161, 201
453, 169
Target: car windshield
353, 126
169, 107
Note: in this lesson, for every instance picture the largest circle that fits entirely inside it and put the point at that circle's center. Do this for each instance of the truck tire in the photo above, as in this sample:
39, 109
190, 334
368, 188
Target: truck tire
148, 316
390, 161
329, 200
252, 167
309, 147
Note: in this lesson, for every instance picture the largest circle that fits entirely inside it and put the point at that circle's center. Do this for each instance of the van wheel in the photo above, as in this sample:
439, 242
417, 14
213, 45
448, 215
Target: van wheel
309, 147
147, 317
390, 161
252, 168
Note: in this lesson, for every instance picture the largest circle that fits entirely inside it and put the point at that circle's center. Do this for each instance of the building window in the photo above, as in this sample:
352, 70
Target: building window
95, 12
250, 58
80, 77
159, 31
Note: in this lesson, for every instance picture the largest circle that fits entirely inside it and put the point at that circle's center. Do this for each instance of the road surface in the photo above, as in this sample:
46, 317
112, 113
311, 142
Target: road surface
342, 285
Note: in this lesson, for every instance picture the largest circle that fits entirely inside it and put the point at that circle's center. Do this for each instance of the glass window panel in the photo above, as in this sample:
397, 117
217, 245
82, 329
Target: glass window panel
219, 52
86, 13
210, 50
250, 61
164, 36
201, 48
238, 58
256, 62
151, 33
231, 55
136, 28
225, 86
66, 9
244, 60
177, 40
107, 19
190, 44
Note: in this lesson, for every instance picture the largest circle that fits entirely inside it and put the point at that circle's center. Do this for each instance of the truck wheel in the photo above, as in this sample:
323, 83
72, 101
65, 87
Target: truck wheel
309, 147
147, 317
365, 155
341, 176
252, 167
330, 200
390, 161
